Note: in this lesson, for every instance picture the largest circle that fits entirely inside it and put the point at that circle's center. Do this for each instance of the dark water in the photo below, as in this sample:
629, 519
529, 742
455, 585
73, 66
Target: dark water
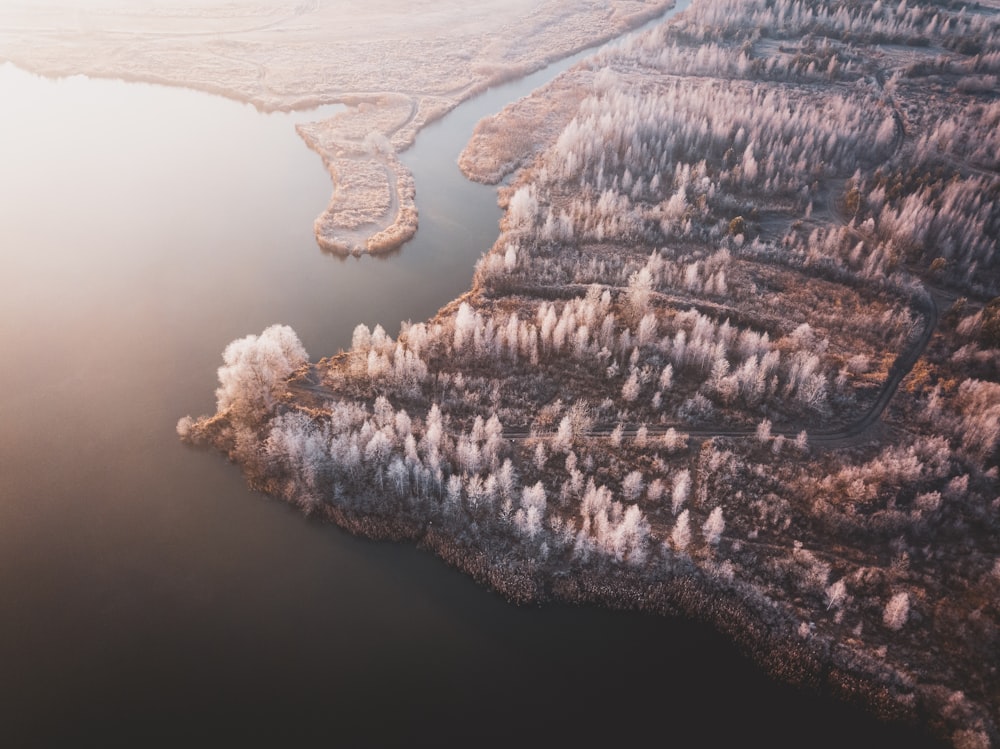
148, 598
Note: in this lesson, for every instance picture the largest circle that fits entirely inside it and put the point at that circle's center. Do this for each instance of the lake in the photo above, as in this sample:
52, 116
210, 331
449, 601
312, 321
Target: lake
149, 598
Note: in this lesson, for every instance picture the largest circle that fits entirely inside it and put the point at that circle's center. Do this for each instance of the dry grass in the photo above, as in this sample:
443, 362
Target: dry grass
509, 139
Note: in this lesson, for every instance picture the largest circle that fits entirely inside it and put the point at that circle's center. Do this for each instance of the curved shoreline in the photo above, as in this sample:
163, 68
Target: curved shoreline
758, 628
374, 228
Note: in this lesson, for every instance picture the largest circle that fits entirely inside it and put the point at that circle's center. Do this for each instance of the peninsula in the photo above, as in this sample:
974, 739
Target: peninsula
395, 67
734, 355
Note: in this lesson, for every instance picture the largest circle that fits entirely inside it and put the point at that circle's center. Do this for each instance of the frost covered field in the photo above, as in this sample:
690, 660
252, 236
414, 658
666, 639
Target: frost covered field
397, 65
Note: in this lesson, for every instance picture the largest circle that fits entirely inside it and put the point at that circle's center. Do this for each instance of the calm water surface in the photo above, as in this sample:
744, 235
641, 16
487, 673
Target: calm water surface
148, 598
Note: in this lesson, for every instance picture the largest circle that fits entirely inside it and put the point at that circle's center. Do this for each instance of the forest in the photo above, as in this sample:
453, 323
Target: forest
735, 354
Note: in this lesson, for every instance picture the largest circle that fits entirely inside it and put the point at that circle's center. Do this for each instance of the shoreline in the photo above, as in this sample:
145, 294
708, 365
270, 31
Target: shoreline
759, 630
374, 228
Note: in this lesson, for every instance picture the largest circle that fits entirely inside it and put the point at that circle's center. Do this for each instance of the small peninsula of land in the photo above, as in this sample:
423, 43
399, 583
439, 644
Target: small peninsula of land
735, 354
395, 67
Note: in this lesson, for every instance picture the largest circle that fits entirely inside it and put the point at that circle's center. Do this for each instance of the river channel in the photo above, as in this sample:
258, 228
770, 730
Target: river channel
148, 597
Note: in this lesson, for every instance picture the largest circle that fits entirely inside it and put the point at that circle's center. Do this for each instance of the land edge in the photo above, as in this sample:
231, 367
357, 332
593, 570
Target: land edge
382, 236
754, 625
758, 631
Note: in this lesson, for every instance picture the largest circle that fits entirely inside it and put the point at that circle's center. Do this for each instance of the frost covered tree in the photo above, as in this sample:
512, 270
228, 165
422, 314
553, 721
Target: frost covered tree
640, 288
836, 594
563, 441
523, 206
641, 436
714, 526
630, 536
254, 369
666, 377
632, 485
541, 455
630, 390
897, 611
531, 514
681, 535
764, 431
453, 494
681, 489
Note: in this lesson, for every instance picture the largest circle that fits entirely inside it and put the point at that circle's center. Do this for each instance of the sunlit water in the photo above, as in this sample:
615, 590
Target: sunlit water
148, 598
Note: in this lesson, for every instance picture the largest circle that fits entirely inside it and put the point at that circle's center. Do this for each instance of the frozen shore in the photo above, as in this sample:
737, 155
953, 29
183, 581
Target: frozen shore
396, 70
